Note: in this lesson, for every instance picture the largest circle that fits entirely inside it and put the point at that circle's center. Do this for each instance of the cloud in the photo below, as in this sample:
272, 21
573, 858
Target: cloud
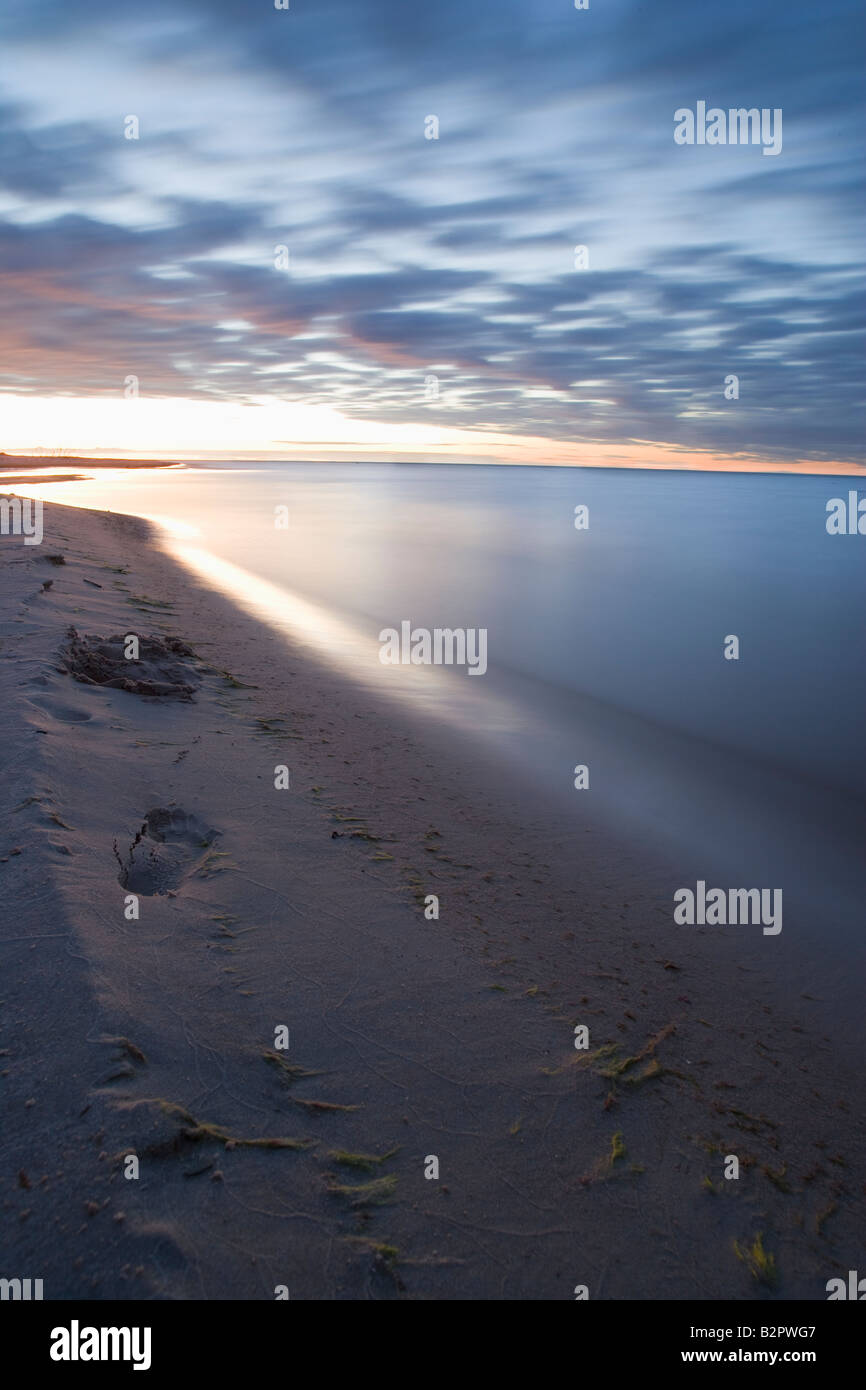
452, 257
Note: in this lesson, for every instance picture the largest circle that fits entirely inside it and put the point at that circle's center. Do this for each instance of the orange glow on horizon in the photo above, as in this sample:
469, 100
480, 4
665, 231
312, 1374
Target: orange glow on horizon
169, 428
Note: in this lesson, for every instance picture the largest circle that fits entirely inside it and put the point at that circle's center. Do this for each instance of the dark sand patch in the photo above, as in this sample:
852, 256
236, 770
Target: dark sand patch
163, 669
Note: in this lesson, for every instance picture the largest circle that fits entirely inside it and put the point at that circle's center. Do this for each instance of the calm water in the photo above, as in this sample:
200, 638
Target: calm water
632, 611
605, 645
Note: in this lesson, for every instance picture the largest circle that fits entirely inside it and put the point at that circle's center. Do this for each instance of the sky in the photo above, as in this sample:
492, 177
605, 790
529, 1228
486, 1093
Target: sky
285, 264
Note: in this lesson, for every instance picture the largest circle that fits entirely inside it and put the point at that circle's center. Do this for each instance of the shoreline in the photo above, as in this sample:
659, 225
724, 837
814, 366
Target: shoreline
812, 469
453, 1038
35, 462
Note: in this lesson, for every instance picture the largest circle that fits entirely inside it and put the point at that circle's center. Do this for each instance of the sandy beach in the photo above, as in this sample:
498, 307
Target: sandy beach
270, 914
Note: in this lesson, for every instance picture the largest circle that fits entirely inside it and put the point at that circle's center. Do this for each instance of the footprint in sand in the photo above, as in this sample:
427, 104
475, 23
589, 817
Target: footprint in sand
170, 846
64, 714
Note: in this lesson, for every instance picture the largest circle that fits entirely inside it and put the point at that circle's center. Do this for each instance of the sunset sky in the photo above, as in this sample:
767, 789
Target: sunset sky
412, 258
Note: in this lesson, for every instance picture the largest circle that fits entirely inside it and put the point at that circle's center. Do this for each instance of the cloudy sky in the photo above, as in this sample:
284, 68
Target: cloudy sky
431, 305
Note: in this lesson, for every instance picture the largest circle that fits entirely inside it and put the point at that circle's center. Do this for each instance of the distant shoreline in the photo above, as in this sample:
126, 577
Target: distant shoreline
56, 478
34, 462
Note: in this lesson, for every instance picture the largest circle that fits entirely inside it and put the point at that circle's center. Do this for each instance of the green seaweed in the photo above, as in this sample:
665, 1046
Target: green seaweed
374, 1193
759, 1262
288, 1071
321, 1107
366, 1162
